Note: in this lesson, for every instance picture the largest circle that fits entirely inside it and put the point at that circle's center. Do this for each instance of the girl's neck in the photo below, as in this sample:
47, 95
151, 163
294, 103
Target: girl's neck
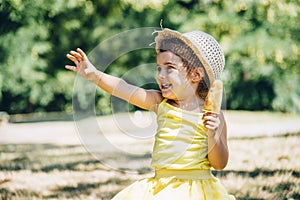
194, 104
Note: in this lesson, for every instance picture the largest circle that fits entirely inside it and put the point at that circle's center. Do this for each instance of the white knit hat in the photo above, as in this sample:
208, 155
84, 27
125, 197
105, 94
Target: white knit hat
203, 45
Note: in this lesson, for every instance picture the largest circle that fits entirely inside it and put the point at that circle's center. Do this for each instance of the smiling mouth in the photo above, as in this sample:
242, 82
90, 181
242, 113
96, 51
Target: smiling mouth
165, 86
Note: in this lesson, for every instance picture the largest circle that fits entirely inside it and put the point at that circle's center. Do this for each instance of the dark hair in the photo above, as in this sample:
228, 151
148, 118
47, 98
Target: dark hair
189, 58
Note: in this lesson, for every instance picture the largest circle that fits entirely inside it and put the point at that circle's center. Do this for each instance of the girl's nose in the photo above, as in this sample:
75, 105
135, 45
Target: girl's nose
161, 74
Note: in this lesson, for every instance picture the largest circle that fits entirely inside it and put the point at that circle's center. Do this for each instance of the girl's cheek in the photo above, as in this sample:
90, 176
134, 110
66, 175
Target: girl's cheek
174, 77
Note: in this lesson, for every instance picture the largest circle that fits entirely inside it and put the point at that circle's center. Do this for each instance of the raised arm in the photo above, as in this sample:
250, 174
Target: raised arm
145, 99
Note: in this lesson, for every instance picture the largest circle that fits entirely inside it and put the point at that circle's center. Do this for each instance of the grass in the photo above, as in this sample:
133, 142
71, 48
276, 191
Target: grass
263, 168
47, 171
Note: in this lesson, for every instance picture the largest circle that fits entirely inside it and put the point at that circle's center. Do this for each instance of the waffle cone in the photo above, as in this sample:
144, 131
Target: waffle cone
213, 99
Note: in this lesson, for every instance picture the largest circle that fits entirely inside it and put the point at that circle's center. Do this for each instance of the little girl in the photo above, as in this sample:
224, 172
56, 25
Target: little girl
188, 141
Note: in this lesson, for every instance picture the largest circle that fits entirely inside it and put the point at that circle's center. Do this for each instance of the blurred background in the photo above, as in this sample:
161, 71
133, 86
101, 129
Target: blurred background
260, 38
261, 41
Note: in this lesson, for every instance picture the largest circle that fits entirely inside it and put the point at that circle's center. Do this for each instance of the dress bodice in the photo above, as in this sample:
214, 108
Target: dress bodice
180, 141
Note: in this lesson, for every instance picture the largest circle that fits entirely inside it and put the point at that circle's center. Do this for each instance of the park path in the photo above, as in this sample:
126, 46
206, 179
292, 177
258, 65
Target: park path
240, 124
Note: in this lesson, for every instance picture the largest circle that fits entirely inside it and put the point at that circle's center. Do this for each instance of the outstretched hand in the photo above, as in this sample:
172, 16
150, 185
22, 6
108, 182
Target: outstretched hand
83, 67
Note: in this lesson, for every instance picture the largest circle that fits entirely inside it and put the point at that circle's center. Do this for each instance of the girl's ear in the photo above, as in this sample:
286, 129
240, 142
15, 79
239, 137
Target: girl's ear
197, 74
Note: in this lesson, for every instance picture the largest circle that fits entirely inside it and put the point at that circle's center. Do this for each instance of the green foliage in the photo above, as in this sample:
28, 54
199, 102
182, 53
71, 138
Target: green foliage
260, 40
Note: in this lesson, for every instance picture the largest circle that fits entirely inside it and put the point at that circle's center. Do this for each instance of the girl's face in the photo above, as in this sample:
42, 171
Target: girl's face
172, 77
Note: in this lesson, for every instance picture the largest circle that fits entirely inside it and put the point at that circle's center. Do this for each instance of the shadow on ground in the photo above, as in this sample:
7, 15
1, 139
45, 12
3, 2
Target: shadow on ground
258, 183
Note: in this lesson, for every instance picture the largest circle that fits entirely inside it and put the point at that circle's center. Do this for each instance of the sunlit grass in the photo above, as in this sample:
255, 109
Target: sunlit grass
261, 165
262, 168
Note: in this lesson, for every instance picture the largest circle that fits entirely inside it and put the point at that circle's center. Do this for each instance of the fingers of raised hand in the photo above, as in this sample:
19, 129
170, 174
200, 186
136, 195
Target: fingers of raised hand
83, 55
72, 68
73, 58
77, 56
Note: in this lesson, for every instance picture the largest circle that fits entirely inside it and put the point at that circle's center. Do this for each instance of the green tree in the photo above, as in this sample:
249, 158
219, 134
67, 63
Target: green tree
260, 39
34, 38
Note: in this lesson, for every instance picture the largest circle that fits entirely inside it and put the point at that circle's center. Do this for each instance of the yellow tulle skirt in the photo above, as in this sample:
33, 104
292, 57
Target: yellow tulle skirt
176, 185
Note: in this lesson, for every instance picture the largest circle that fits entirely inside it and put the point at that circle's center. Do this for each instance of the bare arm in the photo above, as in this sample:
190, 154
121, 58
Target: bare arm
217, 141
146, 99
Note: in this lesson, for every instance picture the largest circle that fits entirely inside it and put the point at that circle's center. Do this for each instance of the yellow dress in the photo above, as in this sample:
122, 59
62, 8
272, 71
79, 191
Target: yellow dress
182, 170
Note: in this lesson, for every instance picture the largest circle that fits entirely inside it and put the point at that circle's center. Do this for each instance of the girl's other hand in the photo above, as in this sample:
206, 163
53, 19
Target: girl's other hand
83, 67
211, 121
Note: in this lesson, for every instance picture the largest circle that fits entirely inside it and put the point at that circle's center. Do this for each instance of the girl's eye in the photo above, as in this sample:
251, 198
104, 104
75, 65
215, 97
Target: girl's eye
158, 68
170, 67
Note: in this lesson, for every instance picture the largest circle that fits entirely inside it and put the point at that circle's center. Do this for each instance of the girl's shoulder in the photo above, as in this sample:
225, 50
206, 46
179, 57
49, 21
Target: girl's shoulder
157, 99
